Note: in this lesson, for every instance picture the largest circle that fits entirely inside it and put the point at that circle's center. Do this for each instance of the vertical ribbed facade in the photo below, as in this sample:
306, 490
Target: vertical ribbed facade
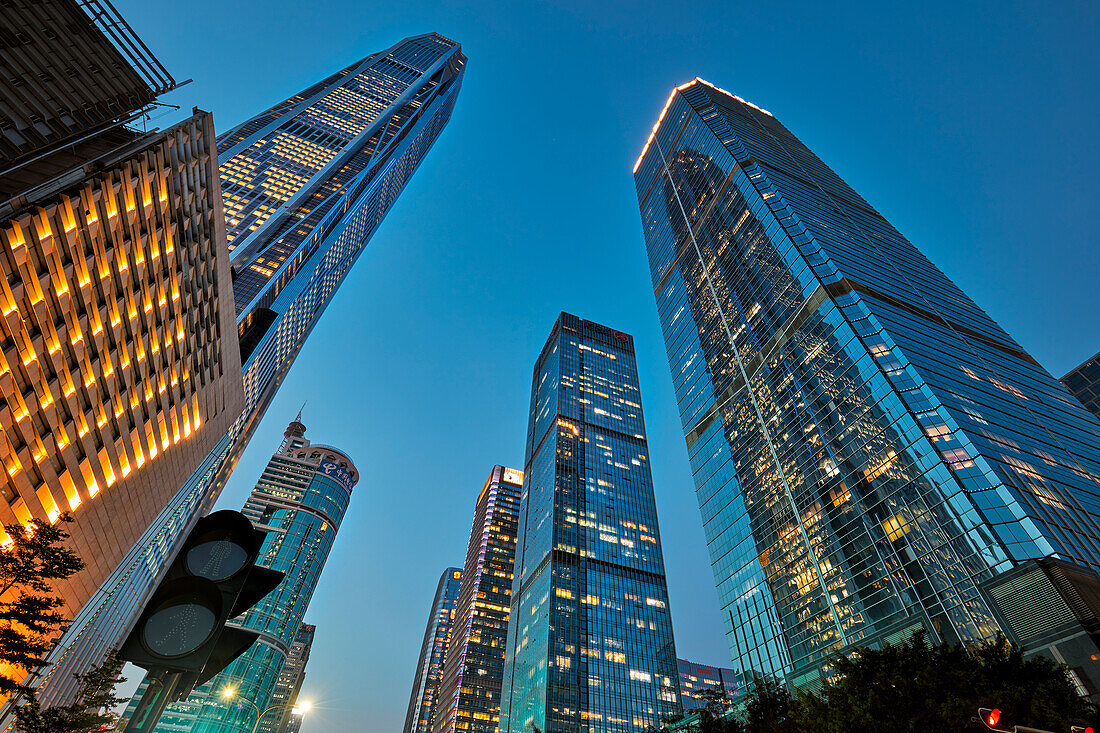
590, 644
423, 702
306, 184
119, 367
469, 695
868, 445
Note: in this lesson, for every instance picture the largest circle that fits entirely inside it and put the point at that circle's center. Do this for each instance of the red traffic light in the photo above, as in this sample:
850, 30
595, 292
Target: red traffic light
989, 717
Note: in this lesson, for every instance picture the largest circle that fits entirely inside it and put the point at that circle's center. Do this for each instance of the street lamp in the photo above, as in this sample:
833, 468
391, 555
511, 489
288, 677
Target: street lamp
300, 708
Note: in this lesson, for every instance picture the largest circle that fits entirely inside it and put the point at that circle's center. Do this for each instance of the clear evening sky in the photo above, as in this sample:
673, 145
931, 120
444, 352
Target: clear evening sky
971, 126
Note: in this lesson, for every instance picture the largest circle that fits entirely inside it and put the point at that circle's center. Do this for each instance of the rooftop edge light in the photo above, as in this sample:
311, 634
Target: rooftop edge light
668, 103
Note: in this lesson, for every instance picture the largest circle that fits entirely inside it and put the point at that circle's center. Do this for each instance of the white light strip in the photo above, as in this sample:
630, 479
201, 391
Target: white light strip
668, 103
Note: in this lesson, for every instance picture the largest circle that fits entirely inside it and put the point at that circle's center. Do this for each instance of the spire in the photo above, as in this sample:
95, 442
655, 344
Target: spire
296, 429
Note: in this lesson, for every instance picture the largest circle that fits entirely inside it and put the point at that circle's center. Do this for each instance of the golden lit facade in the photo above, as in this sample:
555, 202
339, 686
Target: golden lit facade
469, 696
119, 369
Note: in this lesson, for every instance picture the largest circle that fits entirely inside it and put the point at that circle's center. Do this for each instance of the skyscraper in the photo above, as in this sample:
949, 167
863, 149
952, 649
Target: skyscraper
590, 643
429, 667
119, 368
696, 678
289, 685
1084, 382
305, 185
469, 694
299, 500
868, 445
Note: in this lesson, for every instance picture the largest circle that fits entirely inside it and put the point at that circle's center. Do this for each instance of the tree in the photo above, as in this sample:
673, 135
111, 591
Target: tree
90, 712
914, 686
771, 708
29, 613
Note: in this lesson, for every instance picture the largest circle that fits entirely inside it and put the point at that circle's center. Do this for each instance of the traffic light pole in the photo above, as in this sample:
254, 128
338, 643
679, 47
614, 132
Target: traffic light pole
161, 690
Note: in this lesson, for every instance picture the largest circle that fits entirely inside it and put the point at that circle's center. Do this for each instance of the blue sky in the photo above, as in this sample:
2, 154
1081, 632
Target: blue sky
971, 126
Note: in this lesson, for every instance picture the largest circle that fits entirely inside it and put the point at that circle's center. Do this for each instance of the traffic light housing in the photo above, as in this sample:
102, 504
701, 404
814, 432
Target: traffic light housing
213, 578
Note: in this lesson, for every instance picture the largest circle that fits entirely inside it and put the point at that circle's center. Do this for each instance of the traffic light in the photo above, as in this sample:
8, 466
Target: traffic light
990, 717
181, 636
1079, 729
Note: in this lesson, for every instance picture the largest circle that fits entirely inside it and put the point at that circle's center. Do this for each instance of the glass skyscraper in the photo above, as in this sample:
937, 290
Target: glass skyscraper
868, 445
305, 185
299, 500
1084, 382
696, 678
469, 694
590, 644
429, 665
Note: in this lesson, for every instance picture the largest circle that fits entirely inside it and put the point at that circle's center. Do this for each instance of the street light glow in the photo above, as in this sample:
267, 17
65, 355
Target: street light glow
228, 693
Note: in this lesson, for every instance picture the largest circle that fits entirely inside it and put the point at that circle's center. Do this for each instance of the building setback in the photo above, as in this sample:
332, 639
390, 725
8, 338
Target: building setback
429, 665
590, 644
868, 446
469, 695
305, 185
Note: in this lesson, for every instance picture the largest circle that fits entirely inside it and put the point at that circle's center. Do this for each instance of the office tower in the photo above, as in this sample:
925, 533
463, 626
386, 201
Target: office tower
289, 684
469, 695
429, 666
313, 177
868, 445
590, 640
119, 367
299, 500
74, 74
696, 678
1084, 383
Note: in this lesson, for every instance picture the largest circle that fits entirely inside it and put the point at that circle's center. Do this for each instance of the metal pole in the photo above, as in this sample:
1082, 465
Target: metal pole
158, 694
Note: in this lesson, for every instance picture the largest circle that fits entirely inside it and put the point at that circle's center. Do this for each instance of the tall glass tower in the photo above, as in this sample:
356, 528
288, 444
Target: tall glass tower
429, 665
469, 695
299, 501
305, 185
868, 445
590, 644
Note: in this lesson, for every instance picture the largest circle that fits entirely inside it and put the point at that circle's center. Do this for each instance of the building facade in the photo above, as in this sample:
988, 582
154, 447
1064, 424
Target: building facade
696, 678
1084, 383
429, 665
469, 694
313, 177
289, 684
590, 644
299, 500
119, 366
75, 74
868, 445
